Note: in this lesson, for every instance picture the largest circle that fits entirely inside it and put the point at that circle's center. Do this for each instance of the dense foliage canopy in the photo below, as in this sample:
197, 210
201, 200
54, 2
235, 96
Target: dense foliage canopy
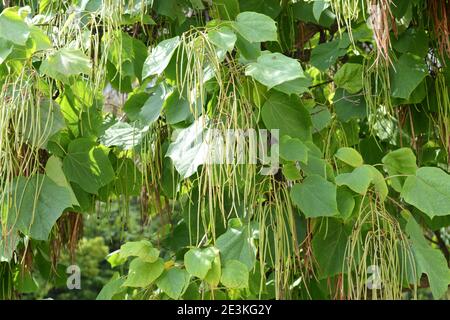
111, 106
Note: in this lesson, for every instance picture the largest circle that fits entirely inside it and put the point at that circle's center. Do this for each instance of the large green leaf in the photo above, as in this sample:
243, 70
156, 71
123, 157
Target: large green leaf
270, 8
214, 274
235, 275
160, 57
272, 69
227, 9
349, 106
174, 282
142, 273
64, 63
8, 245
40, 39
113, 287
122, 135
238, 244
350, 156
358, 180
400, 162
198, 262
409, 72
296, 86
37, 203
429, 191
13, 28
413, 40
256, 27
189, 150
329, 245
287, 114
428, 260
54, 170
316, 197
142, 249
148, 112
88, 165
326, 54
350, 77
379, 182
50, 120
177, 108
223, 37
293, 149
6, 47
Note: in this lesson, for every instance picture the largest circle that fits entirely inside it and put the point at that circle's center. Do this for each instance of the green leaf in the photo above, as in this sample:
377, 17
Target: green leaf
350, 77
272, 69
122, 135
24, 282
38, 131
6, 47
110, 289
410, 71
379, 183
8, 245
168, 8
150, 111
316, 197
160, 57
350, 156
319, 6
64, 63
177, 108
348, 106
114, 259
320, 117
287, 114
429, 191
174, 282
428, 260
235, 275
226, 9
40, 39
189, 150
326, 54
291, 172
345, 202
214, 274
293, 149
142, 249
142, 273
238, 244
358, 180
329, 245
271, 8
13, 28
53, 170
37, 203
413, 40
223, 37
307, 11
256, 27
198, 262
317, 166
247, 51
88, 165
129, 178
400, 162
296, 86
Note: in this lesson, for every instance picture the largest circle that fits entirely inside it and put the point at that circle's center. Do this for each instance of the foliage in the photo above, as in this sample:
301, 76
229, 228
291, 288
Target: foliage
116, 104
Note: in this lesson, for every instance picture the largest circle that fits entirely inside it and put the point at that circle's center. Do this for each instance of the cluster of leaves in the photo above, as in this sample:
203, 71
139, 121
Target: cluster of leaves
108, 101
